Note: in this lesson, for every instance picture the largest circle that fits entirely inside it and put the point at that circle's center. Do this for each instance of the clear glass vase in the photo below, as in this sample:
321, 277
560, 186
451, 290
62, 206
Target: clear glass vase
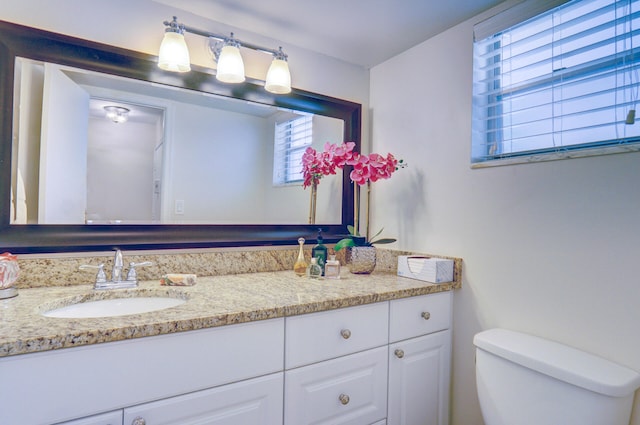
9, 271
361, 259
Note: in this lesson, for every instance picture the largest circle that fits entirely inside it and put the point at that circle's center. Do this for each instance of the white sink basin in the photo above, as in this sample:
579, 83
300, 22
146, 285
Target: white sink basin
113, 307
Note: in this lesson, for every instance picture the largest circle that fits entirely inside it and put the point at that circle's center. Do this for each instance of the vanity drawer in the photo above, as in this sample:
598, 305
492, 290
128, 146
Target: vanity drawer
348, 390
254, 401
320, 336
415, 316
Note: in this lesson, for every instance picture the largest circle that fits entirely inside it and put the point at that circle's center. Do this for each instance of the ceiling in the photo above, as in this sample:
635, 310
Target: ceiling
362, 32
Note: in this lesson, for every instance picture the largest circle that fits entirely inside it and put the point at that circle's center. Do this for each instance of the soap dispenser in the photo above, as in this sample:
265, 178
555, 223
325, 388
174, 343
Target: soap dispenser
320, 252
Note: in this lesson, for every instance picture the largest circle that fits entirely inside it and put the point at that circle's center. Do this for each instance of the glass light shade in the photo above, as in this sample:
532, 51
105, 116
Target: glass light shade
278, 77
230, 65
174, 53
117, 114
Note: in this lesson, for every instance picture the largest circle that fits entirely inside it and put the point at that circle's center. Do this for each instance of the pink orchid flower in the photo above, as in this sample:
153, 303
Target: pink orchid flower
366, 168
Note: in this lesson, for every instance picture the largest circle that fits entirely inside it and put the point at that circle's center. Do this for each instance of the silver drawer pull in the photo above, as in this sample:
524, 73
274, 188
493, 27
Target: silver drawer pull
344, 399
346, 334
139, 421
426, 315
399, 353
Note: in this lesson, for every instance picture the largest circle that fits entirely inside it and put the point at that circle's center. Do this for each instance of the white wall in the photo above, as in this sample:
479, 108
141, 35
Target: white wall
213, 154
120, 170
137, 25
548, 248
285, 204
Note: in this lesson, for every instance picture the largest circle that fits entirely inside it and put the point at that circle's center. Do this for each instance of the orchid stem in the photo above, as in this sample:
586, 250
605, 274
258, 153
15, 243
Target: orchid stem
368, 207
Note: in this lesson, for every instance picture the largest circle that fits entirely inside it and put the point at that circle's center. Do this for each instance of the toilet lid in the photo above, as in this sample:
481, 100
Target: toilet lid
560, 362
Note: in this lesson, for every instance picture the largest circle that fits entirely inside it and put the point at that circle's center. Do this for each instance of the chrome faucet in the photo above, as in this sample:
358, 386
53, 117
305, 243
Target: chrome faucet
116, 281
116, 271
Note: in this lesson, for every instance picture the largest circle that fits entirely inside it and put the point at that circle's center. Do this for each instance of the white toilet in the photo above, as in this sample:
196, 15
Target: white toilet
526, 380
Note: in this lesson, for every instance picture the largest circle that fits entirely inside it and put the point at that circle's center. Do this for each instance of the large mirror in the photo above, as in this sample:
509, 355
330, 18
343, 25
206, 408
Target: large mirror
107, 150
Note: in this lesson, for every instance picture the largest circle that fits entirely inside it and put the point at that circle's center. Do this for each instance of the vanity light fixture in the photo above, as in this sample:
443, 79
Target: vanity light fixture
227, 55
174, 53
278, 77
174, 56
117, 114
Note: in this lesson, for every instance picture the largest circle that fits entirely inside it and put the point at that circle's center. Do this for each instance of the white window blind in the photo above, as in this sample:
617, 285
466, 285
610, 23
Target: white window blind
558, 85
292, 138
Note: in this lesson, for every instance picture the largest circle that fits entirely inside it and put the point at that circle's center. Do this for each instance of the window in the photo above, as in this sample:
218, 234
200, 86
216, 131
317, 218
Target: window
292, 138
553, 82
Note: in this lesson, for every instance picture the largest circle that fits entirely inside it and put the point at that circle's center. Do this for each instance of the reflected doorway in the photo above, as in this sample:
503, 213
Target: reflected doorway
124, 164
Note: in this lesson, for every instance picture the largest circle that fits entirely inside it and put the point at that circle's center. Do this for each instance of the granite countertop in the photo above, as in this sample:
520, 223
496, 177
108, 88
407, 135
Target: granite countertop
213, 301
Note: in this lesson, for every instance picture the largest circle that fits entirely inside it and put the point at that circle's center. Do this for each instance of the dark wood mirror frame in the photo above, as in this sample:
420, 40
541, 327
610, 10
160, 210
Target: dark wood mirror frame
17, 40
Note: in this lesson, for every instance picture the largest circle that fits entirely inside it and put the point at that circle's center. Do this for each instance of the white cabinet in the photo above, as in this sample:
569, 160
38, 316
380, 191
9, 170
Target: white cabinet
415, 316
383, 363
419, 380
343, 378
320, 336
375, 364
347, 390
111, 418
78, 382
255, 401
420, 360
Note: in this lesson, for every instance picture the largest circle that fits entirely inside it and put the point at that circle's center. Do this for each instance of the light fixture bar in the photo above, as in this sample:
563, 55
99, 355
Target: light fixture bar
220, 37
174, 57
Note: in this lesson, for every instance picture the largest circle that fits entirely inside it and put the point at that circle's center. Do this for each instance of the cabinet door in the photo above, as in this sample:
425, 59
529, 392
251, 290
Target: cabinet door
419, 376
255, 401
135, 371
349, 390
111, 418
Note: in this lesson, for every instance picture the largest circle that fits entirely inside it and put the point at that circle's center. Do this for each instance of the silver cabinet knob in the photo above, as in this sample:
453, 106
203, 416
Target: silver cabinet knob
399, 353
344, 399
139, 421
346, 333
426, 315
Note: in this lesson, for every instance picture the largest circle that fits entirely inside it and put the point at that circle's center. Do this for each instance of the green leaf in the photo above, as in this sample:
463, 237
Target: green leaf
377, 234
384, 240
343, 243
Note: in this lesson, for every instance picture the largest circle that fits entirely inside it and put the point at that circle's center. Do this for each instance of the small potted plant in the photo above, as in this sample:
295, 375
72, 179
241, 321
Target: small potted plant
361, 254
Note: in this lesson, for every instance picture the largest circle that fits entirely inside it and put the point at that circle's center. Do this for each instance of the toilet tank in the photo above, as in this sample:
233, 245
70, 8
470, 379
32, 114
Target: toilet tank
526, 380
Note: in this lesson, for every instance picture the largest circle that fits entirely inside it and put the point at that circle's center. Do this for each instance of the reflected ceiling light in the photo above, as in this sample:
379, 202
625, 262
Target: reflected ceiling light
278, 77
117, 114
174, 53
226, 53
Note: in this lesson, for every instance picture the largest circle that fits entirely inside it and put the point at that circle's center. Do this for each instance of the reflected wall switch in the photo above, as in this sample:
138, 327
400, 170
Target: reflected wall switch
179, 209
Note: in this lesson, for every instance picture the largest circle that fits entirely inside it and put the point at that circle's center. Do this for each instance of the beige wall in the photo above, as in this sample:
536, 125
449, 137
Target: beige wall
548, 248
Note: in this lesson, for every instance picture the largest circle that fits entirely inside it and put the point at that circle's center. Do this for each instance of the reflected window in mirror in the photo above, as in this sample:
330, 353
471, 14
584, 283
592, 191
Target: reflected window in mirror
292, 138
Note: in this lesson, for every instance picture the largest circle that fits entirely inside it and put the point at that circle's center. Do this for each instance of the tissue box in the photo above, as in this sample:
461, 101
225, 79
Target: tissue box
429, 269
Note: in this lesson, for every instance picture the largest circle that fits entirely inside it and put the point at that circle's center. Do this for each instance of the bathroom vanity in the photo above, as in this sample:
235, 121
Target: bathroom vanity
268, 348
